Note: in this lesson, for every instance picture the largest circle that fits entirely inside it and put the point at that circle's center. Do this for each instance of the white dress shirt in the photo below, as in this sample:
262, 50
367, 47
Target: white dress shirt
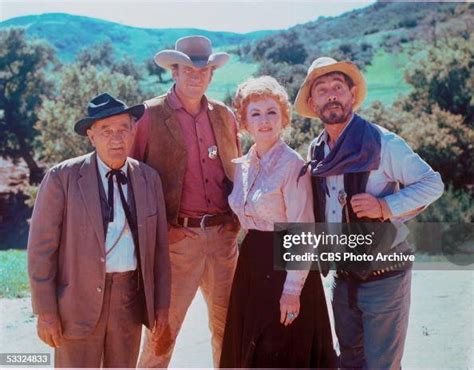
122, 258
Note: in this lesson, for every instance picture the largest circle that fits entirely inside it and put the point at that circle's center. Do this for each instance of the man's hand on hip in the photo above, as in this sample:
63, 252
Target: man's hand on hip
232, 225
49, 329
178, 233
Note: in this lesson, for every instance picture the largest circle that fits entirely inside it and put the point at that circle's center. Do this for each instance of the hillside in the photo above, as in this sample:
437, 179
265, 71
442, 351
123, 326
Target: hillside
360, 33
388, 40
382, 38
70, 33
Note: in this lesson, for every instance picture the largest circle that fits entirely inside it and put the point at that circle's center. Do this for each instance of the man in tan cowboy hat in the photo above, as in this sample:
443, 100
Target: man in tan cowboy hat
190, 140
357, 170
98, 256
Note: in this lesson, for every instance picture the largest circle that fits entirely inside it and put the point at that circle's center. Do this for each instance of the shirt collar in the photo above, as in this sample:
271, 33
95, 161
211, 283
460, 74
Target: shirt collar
324, 136
104, 169
173, 101
268, 159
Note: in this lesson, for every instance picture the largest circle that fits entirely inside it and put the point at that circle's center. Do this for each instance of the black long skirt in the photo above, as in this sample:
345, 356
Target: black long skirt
253, 335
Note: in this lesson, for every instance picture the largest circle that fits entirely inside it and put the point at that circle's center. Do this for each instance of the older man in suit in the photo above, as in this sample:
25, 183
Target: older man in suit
98, 250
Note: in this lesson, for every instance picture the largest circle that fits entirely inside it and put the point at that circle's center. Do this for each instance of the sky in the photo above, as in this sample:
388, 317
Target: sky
235, 16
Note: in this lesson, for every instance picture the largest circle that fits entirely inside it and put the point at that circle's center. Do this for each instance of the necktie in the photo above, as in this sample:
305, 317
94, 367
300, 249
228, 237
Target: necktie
121, 180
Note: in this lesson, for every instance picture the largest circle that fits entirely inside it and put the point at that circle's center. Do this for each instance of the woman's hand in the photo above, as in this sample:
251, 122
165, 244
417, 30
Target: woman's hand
289, 308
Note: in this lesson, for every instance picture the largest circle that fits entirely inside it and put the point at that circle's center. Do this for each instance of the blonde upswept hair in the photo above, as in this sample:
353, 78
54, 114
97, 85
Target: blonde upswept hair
256, 89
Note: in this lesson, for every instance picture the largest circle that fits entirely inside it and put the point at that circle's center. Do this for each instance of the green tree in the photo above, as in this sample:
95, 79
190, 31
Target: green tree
56, 117
361, 54
439, 137
436, 118
445, 78
23, 88
283, 47
155, 70
287, 49
289, 75
102, 55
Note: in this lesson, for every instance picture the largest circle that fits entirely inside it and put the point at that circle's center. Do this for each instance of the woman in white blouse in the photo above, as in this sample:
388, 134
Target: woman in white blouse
275, 318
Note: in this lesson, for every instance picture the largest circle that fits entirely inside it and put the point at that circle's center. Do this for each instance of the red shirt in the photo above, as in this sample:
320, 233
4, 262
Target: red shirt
204, 190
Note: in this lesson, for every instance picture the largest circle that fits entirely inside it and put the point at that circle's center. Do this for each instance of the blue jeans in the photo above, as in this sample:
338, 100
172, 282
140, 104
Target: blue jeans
372, 334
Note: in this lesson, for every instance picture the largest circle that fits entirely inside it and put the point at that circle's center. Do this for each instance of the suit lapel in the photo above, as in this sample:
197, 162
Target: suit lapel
89, 187
140, 199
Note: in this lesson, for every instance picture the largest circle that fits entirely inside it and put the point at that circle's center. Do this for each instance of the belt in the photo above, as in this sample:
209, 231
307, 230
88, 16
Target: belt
384, 273
121, 275
353, 281
206, 220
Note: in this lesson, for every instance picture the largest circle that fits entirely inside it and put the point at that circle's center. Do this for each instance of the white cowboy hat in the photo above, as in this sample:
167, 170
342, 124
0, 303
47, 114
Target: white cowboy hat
322, 66
193, 51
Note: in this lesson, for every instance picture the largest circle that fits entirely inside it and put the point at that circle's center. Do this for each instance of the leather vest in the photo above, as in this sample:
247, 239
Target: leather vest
166, 151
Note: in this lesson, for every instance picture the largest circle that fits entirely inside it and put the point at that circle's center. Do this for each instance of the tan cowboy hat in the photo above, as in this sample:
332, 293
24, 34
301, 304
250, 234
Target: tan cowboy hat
322, 66
193, 51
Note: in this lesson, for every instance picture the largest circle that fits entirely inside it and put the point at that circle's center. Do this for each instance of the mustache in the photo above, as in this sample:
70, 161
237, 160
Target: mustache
332, 105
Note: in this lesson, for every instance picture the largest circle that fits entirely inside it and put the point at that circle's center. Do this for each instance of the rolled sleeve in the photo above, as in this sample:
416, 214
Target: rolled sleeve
421, 184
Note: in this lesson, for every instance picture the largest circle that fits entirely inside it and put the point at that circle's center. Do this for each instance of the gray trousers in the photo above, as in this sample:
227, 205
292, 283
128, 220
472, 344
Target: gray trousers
372, 334
115, 341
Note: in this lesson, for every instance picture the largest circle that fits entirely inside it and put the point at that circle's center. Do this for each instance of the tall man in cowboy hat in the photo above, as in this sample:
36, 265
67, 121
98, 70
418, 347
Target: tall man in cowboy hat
357, 170
98, 256
190, 140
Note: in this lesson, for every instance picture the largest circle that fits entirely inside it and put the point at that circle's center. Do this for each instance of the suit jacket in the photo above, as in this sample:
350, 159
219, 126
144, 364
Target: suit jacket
66, 252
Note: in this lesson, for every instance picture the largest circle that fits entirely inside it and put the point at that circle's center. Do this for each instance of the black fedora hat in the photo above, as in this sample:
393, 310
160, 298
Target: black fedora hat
103, 106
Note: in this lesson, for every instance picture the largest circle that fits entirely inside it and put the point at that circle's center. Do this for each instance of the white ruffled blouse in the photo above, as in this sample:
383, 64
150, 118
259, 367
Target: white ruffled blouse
266, 192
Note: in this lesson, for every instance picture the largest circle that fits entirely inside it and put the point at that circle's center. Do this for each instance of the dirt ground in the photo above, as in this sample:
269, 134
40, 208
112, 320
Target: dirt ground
440, 335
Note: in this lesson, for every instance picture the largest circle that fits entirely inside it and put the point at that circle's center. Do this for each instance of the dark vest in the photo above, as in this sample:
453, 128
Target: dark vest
354, 183
385, 232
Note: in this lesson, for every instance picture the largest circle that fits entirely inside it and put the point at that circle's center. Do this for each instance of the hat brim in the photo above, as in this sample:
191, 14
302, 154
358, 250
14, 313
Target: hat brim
168, 58
350, 69
81, 126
